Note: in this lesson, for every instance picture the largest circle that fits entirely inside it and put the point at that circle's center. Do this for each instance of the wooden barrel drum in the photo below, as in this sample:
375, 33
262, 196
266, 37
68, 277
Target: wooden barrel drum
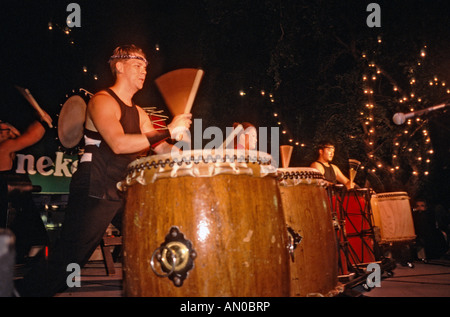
392, 215
200, 224
314, 264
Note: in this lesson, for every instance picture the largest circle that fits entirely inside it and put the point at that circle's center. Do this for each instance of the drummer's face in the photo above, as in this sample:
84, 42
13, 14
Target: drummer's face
251, 138
328, 153
5, 133
136, 71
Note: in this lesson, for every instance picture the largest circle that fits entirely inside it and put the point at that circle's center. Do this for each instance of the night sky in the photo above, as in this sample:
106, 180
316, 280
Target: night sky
233, 41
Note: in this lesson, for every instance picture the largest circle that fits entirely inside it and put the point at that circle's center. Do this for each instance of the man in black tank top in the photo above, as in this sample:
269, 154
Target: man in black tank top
331, 172
116, 132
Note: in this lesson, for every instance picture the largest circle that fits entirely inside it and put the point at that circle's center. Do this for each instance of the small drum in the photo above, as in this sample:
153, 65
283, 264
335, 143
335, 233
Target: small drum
204, 224
314, 262
71, 119
392, 214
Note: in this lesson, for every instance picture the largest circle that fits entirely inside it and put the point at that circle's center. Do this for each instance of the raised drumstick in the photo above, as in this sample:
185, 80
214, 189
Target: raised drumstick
26, 93
193, 93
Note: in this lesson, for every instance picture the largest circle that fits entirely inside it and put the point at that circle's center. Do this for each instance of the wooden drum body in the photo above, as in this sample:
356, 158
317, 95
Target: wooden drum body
204, 225
314, 264
392, 215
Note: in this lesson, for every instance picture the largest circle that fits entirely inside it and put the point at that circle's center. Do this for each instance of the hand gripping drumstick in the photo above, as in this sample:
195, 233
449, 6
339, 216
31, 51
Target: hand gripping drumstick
192, 94
26, 93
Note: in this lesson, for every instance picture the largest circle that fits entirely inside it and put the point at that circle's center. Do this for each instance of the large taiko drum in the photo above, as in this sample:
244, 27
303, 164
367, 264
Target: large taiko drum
392, 215
314, 264
204, 224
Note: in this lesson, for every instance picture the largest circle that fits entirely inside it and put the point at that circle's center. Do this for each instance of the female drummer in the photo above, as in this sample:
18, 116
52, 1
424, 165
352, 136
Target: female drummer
247, 139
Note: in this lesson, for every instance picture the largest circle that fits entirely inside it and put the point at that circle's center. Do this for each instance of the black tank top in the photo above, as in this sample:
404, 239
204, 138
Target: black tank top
108, 168
329, 174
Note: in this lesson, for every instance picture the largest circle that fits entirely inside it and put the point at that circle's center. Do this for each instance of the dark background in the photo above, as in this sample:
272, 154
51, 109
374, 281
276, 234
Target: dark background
293, 49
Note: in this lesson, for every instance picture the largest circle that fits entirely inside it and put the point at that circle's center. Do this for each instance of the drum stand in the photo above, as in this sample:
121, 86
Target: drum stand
355, 234
335, 199
359, 227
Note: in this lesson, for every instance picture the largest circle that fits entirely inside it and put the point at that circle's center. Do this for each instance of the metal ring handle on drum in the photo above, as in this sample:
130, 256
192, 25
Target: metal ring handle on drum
152, 262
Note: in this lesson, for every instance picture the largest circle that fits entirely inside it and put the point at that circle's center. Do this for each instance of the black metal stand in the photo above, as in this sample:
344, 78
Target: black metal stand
355, 235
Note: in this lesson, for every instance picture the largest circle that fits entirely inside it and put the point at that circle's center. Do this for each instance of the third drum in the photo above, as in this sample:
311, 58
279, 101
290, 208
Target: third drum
313, 263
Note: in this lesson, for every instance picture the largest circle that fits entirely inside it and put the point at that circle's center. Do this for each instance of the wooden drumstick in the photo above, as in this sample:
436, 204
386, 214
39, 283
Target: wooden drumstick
192, 94
26, 93
194, 89
233, 133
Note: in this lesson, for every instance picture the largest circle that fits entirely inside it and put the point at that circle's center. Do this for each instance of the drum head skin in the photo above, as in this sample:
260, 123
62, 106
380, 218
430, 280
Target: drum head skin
71, 121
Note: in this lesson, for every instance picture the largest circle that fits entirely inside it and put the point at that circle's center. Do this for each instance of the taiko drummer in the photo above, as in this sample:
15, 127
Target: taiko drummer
116, 132
331, 172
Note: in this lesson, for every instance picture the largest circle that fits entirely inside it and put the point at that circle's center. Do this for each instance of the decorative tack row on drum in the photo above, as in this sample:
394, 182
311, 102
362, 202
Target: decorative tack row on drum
295, 176
189, 160
301, 174
198, 163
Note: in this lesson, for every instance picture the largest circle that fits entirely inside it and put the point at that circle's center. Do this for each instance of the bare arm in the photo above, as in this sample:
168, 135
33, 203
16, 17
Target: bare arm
9, 147
103, 115
320, 168
147, 127
317, 166
33, 134
341, 177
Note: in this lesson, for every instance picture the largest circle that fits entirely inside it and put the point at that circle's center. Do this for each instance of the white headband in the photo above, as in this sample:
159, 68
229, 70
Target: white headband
128, 57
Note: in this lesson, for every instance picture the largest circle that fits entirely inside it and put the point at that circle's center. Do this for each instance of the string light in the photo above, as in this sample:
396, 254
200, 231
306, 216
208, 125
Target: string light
68, 31
421, 144
284, 130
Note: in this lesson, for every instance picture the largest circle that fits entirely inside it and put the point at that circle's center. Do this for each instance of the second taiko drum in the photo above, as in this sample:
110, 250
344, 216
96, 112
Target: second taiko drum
313, 264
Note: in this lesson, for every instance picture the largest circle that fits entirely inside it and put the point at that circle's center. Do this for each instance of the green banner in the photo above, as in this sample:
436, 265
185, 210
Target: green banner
51, 172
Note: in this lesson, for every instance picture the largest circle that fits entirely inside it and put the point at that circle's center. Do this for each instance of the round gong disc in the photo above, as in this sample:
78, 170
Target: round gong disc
71, 121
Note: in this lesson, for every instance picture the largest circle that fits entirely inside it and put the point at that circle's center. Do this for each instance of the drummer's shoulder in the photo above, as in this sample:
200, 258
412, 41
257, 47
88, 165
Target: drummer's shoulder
101, 96
101, 93
336, 168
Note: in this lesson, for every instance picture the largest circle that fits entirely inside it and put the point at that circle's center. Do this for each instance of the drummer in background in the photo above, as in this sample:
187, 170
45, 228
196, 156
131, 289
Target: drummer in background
331, 172
116, 132
430, 242
27, 226
12, 141
246, 139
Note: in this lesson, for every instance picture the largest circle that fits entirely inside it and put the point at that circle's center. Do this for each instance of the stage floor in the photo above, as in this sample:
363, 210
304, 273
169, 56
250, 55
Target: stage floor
430, 279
